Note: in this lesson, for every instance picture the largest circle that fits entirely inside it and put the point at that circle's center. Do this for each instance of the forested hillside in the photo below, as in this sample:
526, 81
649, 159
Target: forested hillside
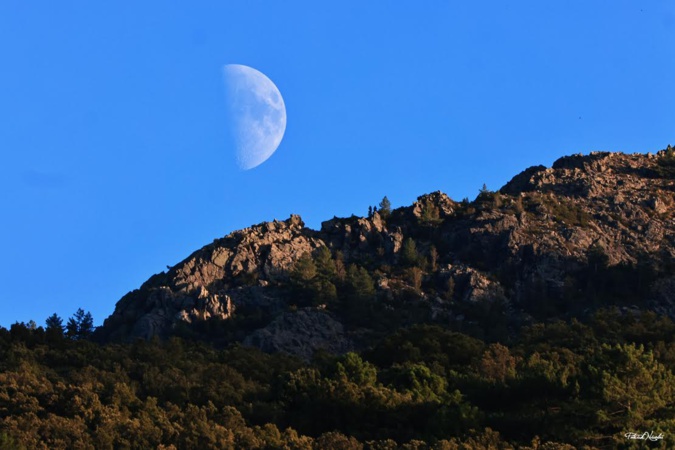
539, 316
423, 387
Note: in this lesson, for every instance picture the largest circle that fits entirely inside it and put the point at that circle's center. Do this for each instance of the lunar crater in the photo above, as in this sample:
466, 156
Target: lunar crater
257, 115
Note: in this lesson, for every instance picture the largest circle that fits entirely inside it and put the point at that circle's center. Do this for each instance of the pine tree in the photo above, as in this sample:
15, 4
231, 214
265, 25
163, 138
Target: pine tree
54, 322
72, 328
360, 283
385, 207
80, 325
433, 259
409, 253
325, 265
55, 327
304, 270
431, 214
303, 280
86, 325
415, 277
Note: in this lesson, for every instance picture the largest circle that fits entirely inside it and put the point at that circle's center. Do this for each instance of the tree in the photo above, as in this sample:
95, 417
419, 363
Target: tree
487, 196
303, 280
337, 440
409, 253
55, 326
312, 279
87, 325
351, 367
360, 284
359, 291
385, 207
325, 265
54, 322
497, 364
415, 277
666, 163
80, 325
433, 259
304, 270
431, 214
634, 385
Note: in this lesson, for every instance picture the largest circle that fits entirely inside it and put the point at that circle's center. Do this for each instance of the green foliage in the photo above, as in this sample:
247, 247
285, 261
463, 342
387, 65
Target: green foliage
360, 286
497, 364
414, 275
563, 210
421, 382
666, 163
488, 198
313, 278
555, 385
358, 295
54, 327
631, 385
431, 214
431, 345
304, 269
54, 322
385, 208
80, 325
325, 265
409, 255
569, 213
8, 443
433, 259
352, 368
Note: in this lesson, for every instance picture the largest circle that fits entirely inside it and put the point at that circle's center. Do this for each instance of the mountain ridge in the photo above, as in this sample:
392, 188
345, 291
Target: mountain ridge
553, 242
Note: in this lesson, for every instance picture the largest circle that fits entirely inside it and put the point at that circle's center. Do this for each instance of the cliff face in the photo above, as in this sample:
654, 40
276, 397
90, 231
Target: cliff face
589, 232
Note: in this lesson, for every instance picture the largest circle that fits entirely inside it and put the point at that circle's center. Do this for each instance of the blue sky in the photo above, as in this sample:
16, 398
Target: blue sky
113, 119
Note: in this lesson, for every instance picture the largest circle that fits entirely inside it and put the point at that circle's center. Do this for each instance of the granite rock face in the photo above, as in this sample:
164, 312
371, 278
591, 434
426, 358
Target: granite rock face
533, 238
302, 333
206, 285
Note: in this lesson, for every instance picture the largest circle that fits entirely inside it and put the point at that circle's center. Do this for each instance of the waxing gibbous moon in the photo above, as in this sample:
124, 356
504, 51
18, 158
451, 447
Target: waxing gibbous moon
257, 114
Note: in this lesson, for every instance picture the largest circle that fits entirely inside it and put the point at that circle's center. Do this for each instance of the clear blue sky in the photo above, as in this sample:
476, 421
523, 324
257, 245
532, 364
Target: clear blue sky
113, 119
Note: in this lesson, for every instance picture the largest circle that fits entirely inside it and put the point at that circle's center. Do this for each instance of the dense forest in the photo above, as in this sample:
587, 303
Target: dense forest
558, 385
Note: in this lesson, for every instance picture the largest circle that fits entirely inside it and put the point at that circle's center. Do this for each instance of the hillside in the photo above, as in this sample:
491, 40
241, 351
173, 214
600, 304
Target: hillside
553, 243
536, 317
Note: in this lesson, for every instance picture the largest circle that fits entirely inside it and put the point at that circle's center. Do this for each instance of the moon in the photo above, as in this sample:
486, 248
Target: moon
257, 114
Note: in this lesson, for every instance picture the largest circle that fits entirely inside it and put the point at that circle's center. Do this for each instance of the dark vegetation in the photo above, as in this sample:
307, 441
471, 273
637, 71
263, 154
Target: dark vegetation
421, 387
666, 166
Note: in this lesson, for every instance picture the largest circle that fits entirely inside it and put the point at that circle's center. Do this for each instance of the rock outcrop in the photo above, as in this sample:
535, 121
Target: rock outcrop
559, 235
302, 333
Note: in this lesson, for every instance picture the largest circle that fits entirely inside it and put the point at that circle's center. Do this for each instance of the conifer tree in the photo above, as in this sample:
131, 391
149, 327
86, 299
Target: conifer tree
385, 207
433, 259
55, 326
80, 325
409, 252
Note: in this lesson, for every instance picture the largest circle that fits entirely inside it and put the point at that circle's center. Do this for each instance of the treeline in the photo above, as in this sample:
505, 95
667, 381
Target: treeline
557, 386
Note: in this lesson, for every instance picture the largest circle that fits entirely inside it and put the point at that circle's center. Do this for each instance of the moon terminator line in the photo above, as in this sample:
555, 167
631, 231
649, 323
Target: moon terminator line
257, 114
